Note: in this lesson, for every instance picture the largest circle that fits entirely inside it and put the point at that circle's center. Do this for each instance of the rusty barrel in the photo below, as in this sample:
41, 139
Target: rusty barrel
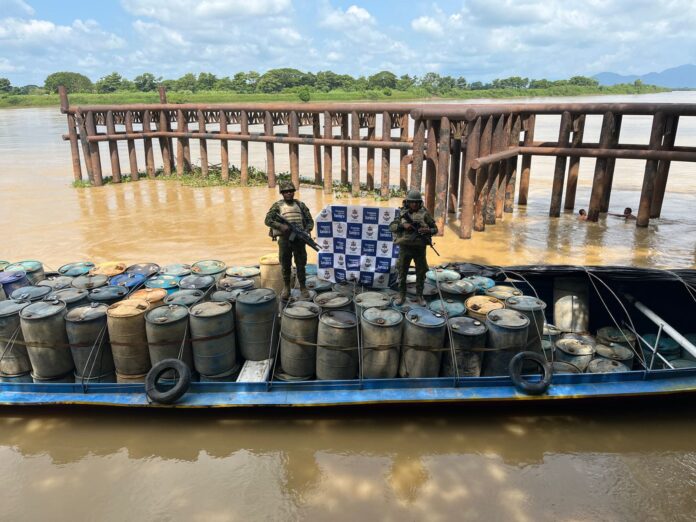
381, 331
126, 324
507, 335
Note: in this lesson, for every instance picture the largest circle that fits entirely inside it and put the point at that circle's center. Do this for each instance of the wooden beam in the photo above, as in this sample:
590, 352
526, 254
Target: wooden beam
468, 177
671, 126
646, 195
526, 168
386, 160
560, 168
441, 176
355, 159
132, 154
270, 149
328, 153
574, 167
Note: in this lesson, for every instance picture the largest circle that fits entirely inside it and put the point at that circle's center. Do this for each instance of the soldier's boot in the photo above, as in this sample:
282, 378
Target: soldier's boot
420, 299
304, 292
285, 294
400, 299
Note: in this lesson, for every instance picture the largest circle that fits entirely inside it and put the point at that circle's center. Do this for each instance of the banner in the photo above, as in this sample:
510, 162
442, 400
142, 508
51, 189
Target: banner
356, 245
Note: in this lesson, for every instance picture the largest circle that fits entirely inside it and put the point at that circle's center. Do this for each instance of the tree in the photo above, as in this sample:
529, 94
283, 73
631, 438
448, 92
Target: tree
583, 81
187, 82
206, 81
460, 83
430, 82
5, 85
275, 80
637, 83
224, 84
382, 80
146, 82
327, 81
405, 82
513, 82
477, 86
110, 83
446, 83
303, 94
540, 84
73, 82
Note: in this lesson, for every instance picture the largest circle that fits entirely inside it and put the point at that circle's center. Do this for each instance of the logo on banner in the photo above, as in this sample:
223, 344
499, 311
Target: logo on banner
325, 244
368, 263
338, 213
327, 275
324, 229
340, 261
369, 231
371, 215
353, 247
384, 248
369, 248
324, 213
381, 280
386, 217
354, 214
354, 230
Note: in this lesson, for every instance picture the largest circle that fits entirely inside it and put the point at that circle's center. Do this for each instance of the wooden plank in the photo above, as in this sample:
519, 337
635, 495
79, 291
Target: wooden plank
270, 149
132, 154
355, 152
503, 171
560, 168
497, 145
386, 159
164, 144
574, 166
646, 195
86, 153
203, 145
344, 149
671, 126
611, 162
431, 164
224, 149
371, 133
328, 161
468, 179
511, 166
526, 166
455, 162
442, 175
147, 143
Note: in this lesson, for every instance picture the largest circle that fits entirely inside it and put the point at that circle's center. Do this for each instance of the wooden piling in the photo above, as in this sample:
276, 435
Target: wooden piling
270, 149
355, 154
86, 151
132, 154
147, 144
244, 157
578, 128
646, 196
203, 145
72, 133
598, 181
528, 125
442, 175
386, 153
481, 194
316, 132
328, 162
418, 153
560, 168
94, 149
344, 150
611, 162
294, 131
503, 171
467, 187
497, 145
168, 143
431, 164
455, 160
224, 148
371, 132
511, 167
671, 126
403, 168
113, 148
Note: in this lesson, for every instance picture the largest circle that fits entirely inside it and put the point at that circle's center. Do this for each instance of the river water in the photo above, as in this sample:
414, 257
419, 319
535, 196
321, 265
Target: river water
437, 465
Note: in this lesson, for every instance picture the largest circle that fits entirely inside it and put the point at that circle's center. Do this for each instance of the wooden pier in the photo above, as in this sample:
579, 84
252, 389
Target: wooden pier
470, 151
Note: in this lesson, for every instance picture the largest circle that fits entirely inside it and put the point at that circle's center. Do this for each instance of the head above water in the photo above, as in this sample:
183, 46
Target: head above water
628, 211
583, 212
287, 189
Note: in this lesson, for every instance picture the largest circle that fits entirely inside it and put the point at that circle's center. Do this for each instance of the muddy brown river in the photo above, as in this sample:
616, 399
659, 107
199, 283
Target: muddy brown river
600, 463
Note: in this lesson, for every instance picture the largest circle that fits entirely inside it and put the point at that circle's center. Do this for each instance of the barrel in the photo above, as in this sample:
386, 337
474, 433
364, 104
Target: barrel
106, 377
318, 285
57, 282
333, 301
228, 376
575, 351
311, 269
126, 325
502, 292
89, 282
3, 264
11, 281
233, 282
123, 378
533, 308
176, 270
381, 331
128, 280
564, 367
459, 290
347, 288
551, 333
680, 363
611, 334
296, 295
448, 307
33, 269
601, 365
441, 275
15, 359
371, 299
298, 337
89, 341
43, 328
72, 297
66, 378
166, 328
666, 347
615, 352
507, 336
337, 346
257, 323
571, 304
271, 273
468, 336
186, 297
211, 267
246, 272
76, 269
548, 348
584, 337
481, 283
423, 342
410, 302
196, 282
478, 306
213, 338
429, 290
154, 296
169, 283
107, 295
16, 378
226, 295
144, 269
109, 268
31, 293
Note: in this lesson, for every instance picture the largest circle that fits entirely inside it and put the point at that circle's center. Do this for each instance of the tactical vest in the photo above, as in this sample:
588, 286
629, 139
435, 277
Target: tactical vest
409, 238
292, 213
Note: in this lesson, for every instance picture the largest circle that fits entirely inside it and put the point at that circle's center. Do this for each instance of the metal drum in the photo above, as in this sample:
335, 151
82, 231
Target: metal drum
571, 304
229, 296
311, 269
196, 282
442, 275
43, 328
169, 283
601, 365
610, 334
67, 378
126, 325
481, 283
468, 335
33, 269
507, 335
3, 264
448, 307
580, 336
228, 376
298, 337
337, 346
458, 290
666, 347
381, 331
347, 288
533, 309
14, 358
409, 304
551, 333
246, 272
130, 281
187, 297
76, 269
31, 293
578, 352
89, 282
296, 295
423, 342
564, 367
548, 348
89, 341
503, 292
258, 326
318, 285
233, 283
478, 306
166, 328
57, 282
429, 291
109, 268
213, 338
334, 301
211, 267
107, 295
368, 300
615, 352
72, 297
11, 281
123, 378
16, 378
271, 273
107, 377
176, 270
154, 296
144, 269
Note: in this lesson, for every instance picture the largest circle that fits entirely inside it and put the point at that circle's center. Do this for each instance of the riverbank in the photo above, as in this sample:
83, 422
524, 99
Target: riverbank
115, 98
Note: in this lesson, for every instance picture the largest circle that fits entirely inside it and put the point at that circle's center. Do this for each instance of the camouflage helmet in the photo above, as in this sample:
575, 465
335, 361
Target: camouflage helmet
414, 195
286, 186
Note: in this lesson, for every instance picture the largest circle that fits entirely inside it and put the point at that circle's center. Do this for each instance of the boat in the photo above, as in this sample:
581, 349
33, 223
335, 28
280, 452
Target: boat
647, 305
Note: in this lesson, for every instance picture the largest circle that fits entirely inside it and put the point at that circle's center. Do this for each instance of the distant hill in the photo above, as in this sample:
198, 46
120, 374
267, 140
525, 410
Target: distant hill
683, 76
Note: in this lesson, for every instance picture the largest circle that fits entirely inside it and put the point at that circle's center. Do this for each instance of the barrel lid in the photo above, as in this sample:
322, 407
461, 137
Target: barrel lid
346, 288
185, 297
332, 300
339, 319
82, 314
56, 282
666, 346
575, 347
296, 295
467, 326
31, 293
317, 284
409, 303
208, 267
615, 351
442, 274
482, 304
166, 314
231, 282
550, 329
196, 281
507, 318
616, 335
452, 306
109, 268
480, 282
372, 300
12, 307
429, 289
269, 259
502, 292
582, 337
176, 270
107, 293
69, 295
243, 271
76, 269
256, 296
163, 281
564, 367
28, 266
151, 295
525, 303
211, 309
425, 318
460, 287
601, 365
10, 276
146, 269
302, 310
87, 282
127, 280
382, 316
3, 264
43, 309
226, 295
128, 308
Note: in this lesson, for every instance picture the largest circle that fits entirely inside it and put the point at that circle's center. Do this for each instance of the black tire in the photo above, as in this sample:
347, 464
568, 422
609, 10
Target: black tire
173, 394
525, 386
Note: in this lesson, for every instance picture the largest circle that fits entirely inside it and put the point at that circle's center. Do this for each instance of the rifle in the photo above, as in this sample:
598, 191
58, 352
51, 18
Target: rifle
297, 233
427, 237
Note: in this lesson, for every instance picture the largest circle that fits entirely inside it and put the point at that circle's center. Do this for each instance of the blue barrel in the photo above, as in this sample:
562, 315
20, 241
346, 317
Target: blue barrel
169, 283
33, 269
258, 324
409, 304
108, 294
448, 307
31, 293
176, 270
247, 272
230, 296
127, 280
57, 282
667, 347
460, 290
196, 282
232, 283
211, 267
442, 275
89, 282
481, 283
187, 297
72, 297
429, 290
318, 285
145, 269
311, 269
12, 280
76, 269
14, 353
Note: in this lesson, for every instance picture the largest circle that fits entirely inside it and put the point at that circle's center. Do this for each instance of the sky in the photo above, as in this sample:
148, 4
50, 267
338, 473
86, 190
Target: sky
477, 39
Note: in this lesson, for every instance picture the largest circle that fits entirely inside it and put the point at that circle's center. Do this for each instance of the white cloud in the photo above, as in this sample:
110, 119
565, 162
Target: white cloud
428, 25
178, 11
351, 17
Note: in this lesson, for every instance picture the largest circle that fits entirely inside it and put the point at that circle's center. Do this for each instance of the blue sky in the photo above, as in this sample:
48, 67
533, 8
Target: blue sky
478, 39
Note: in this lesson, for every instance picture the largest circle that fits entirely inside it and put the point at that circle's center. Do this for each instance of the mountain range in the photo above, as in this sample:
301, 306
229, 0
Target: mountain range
683, 76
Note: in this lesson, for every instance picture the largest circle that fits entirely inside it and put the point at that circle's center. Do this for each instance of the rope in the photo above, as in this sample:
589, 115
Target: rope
453, 353
9, 346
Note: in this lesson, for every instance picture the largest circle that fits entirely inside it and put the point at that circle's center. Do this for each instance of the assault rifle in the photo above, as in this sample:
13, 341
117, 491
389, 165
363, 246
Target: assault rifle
427, 237
297, 233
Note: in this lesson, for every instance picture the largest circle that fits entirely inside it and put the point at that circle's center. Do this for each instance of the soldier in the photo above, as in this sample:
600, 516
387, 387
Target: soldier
412, 243
295, 212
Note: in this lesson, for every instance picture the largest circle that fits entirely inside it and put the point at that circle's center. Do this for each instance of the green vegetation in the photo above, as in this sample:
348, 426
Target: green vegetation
293, 85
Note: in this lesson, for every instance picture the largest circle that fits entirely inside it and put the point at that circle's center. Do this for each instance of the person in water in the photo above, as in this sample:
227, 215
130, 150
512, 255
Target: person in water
296, 212
583, 215
412, 243
627, 214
